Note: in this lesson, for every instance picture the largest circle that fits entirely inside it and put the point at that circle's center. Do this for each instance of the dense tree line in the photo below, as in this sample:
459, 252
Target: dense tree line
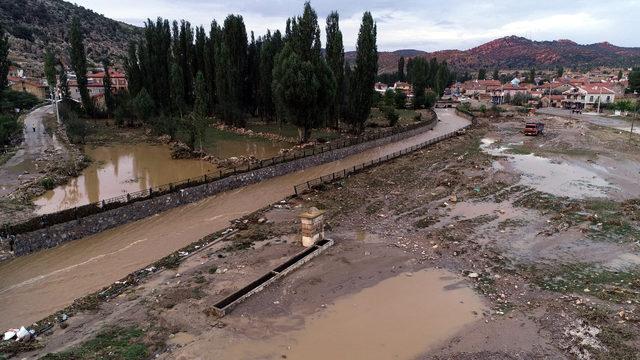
426, 74
9, 99
274, 76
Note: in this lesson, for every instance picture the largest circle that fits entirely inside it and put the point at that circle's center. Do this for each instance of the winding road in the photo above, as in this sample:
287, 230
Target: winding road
36, 285
37, 144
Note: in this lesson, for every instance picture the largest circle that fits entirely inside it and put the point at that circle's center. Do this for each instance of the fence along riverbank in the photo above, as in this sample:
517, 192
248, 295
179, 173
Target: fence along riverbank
344, 173
53, 235
79, 212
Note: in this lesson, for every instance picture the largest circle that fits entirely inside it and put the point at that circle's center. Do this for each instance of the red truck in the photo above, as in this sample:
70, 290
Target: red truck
534, 128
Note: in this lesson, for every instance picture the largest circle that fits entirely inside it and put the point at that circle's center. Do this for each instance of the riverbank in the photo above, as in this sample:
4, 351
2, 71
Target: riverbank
88, 263
554, 274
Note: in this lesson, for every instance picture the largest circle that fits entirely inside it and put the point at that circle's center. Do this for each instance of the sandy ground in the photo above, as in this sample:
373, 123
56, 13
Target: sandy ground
514, 267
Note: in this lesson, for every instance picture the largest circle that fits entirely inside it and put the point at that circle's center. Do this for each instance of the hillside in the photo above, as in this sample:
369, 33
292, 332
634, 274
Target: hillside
519, 53
34, 25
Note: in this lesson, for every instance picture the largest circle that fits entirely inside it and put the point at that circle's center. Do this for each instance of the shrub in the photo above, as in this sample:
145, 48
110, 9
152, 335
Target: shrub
47, 183
8, 127
11, 100
76, 128
391, 115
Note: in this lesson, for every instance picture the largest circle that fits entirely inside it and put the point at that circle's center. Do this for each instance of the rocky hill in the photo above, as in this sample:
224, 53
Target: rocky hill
34, 25
514, 52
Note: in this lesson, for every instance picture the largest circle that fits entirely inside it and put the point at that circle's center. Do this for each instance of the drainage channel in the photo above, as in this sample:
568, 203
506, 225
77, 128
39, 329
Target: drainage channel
225, 305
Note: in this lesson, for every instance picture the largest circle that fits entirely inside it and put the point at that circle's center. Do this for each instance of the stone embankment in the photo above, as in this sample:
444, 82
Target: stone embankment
28, 242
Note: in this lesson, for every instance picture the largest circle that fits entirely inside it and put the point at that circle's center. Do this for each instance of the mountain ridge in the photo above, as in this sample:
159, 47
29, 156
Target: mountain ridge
514, 52
35, 25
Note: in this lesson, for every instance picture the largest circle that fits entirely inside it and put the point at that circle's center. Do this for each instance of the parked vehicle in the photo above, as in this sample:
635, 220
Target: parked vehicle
534, 128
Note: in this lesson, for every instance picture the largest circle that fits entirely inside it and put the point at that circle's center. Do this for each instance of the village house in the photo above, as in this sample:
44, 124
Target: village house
587, 96
118, 79
552, 101
479, 87
95, 84
380, 87
405, 87
33, 86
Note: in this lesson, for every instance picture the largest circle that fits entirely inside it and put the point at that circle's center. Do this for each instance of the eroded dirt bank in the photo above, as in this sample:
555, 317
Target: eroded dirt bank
553, 277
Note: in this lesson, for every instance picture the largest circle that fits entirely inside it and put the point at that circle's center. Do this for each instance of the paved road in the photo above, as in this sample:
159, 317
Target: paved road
36, 285
593, 119
25, 164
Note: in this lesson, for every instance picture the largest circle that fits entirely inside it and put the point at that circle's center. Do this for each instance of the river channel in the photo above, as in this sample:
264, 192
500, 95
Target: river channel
118, 170
36, 285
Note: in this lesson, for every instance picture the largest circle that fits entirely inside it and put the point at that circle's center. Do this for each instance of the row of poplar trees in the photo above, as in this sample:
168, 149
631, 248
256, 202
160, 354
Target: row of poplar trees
284, 77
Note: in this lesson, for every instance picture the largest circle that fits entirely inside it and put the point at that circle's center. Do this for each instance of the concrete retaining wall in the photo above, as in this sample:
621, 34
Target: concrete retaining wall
467, 116
57, 234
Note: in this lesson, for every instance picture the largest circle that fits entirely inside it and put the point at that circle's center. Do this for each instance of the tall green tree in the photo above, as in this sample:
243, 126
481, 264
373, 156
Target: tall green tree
271, 46
154, 61
252, 75
65, 95
132, 70
482, 74
496, 75
231, 65
619, 75
363, 79
50, 71
199, 115
79, 64
303, 83
335, 60
634, 80
401, 69
4, 60
109, 100
210, 62
560, 72
178, 103
532, 76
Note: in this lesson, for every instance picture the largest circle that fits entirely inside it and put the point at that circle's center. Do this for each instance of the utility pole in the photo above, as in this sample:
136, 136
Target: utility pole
635, 115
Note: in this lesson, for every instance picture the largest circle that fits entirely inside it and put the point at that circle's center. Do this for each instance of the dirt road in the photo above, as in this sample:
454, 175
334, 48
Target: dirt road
37, 142
593, 119
36, 285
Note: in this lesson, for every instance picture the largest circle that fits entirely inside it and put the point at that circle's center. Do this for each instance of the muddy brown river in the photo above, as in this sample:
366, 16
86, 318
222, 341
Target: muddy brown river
118, 170
36, 285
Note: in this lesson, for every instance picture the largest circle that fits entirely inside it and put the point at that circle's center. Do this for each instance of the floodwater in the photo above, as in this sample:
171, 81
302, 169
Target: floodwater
118, 170
399, 318
36, 285
32, 153
561, 178
262, 150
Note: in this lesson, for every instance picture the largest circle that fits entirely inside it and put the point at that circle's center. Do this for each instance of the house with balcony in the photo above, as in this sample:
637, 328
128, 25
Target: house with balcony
588, 96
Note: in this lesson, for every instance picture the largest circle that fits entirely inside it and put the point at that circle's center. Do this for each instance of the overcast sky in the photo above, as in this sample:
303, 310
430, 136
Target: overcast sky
424, 25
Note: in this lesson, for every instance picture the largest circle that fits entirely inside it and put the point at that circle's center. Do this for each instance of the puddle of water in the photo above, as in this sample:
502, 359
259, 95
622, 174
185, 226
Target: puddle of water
468, 210
117, 170
247, 147
399, 318
557, 178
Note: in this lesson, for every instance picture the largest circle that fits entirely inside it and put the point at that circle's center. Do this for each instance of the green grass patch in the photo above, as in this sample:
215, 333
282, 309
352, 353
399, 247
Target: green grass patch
615, 286
405, 117
47, 183
290, 131
118, 343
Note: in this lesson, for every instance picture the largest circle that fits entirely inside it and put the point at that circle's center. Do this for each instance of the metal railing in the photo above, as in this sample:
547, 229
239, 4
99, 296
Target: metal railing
344, 173
79, 212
